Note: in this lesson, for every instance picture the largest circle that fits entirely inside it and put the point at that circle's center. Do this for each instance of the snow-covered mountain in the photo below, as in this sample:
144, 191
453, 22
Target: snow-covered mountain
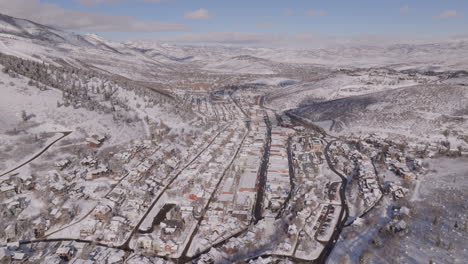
242, 64
28, 29
146, 59
25, 29
32, 41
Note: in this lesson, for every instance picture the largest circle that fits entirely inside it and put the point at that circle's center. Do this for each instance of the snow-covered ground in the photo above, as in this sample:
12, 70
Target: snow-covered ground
18, 96
442, 194
153, 124
436, 223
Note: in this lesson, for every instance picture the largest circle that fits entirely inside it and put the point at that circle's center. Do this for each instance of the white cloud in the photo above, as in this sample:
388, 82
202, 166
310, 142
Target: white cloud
405, 9
316, 13
94, 3
198, 14
218, 38
264, 25
54, 15
448, 14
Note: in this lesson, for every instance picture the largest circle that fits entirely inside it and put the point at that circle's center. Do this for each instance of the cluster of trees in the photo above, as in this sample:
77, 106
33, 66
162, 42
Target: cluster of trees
89, 89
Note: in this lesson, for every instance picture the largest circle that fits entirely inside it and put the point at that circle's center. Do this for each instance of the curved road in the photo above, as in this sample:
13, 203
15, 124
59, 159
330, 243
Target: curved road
39, 153
345, 210
343, 214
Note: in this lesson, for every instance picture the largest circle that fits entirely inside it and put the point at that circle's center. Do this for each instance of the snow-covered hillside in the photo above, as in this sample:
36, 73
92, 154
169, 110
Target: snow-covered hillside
242, 65
343, 84
415, 110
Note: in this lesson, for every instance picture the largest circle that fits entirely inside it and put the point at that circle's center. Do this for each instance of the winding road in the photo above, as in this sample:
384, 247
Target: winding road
344, 207
35, 156
343, 214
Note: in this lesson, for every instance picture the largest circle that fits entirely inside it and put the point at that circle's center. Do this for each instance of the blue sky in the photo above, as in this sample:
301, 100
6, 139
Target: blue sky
178, 18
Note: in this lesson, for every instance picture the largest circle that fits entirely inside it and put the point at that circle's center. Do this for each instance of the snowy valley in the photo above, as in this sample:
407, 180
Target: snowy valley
142, 152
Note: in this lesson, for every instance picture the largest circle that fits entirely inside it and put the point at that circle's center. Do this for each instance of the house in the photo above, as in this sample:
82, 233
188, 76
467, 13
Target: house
95, 141
88, 229
247, 182
19, 256
62, 164
59, 187
206, 259
111, 237
169, 247
95, 173
316, 144
292, 229
398, 194
26, 182
408, 176
241, 215
286, 246
55, 213
88, 161
398, 226
197, 195
117, 196
7, 191
171, 226
39, 229
102, 212
231, 248
117, 223
66, 252
186, 211
145, 242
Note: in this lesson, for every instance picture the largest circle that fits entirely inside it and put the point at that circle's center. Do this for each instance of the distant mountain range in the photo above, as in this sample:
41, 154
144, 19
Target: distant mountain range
145, 59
